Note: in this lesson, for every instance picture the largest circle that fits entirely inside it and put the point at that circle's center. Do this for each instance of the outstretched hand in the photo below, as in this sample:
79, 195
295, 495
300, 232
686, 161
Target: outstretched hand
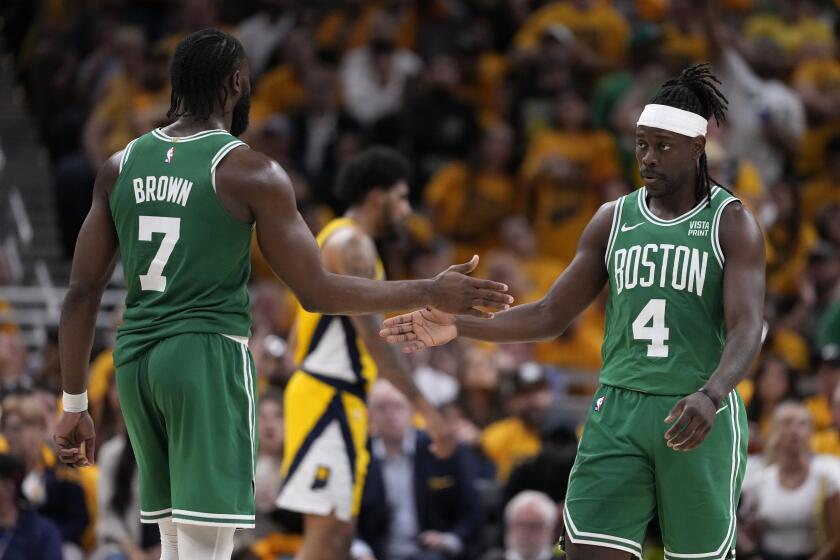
455, 292
73, 430
419, 329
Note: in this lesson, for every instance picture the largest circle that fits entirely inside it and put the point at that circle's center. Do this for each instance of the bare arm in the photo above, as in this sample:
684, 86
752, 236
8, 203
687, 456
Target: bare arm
743, 298
545, 319
571, 293
352, 253
293, 254
93, 264
743, 303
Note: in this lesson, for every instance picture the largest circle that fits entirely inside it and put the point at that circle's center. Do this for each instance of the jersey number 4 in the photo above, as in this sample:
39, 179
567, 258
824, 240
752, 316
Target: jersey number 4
650, 325
154, 280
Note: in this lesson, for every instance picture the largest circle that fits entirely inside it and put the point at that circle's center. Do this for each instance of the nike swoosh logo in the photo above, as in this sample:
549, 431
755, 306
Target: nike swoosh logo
625, 227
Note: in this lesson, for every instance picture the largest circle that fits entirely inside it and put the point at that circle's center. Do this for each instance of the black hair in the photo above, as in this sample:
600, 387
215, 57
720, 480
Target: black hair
13, 469
757, 407
376, 167
832, 147
696, 90
202, 63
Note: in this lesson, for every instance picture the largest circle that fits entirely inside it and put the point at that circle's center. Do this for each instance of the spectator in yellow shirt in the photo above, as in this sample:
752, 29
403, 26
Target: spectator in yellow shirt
560, 204
467, 200
518, 238
483, 72
564, 169
794, 30
283, 88
817, 81
511, 440
351, 25
571, 137
596, 23
684, 38
790, 240
828, 440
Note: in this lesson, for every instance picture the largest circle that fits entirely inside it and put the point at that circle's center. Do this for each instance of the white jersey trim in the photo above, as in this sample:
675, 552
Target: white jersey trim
724, 549
160, 135
220, 155
126, 153
679, 219
716, 248
616, 221
620, 542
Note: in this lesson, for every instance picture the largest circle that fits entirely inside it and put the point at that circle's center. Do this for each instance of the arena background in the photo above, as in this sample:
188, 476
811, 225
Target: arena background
518, 117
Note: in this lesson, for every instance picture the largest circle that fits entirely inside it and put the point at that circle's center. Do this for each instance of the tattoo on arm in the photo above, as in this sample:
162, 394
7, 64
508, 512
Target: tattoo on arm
357, 255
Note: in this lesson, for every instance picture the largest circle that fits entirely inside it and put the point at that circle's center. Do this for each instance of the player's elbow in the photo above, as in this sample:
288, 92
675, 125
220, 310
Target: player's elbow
317, 300
311, 303
548, 320
83, 291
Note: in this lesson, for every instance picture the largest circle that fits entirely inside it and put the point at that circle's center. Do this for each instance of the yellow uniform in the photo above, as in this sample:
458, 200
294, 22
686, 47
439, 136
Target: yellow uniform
324, 458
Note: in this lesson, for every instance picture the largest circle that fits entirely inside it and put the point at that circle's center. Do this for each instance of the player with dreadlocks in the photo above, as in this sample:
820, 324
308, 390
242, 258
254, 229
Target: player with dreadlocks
180, 204
684, 264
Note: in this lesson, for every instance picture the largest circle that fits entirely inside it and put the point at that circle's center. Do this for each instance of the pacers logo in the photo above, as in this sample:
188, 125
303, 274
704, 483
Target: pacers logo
322, 476
599, 403
170, 153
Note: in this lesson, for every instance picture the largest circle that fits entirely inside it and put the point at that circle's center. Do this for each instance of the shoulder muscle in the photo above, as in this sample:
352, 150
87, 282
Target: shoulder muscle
351, 252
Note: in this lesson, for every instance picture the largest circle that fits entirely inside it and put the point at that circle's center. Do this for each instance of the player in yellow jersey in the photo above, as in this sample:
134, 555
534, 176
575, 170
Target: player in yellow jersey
325, 457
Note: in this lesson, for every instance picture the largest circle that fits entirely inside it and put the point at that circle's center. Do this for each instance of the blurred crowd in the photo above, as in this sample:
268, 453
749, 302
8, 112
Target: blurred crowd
519, 119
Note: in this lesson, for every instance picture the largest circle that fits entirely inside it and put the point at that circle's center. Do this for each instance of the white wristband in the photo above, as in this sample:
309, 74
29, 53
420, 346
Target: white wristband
75, 403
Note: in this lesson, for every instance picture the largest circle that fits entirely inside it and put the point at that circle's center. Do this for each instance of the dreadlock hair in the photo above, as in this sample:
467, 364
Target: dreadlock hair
202, 62
696, 90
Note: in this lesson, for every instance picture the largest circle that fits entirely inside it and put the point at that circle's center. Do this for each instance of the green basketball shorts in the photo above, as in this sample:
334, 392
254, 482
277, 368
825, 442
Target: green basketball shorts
189, 407
624, 474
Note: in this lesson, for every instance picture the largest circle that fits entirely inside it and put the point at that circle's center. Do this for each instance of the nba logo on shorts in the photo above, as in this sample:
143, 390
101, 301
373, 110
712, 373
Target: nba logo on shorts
598, 404
169, 154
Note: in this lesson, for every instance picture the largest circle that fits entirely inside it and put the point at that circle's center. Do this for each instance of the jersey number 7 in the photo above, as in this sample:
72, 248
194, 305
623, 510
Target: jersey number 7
154, 280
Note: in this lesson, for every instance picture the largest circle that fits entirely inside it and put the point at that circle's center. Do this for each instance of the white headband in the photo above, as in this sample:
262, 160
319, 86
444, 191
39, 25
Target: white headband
673, 119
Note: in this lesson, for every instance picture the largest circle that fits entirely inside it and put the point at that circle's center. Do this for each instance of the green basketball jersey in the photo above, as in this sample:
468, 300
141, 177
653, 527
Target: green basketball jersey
665, 326
186, 259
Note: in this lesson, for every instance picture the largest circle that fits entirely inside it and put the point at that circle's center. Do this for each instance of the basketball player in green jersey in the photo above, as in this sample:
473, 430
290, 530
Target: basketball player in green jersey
684, 262
180, 204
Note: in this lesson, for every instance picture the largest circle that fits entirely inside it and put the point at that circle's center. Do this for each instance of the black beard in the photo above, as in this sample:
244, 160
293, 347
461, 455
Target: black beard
239, 120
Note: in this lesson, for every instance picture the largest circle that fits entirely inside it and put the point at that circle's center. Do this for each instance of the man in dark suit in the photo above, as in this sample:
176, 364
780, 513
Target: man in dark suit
415, 506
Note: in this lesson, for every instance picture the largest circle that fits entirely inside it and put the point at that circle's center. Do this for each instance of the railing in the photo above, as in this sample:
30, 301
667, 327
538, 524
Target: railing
36, 309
